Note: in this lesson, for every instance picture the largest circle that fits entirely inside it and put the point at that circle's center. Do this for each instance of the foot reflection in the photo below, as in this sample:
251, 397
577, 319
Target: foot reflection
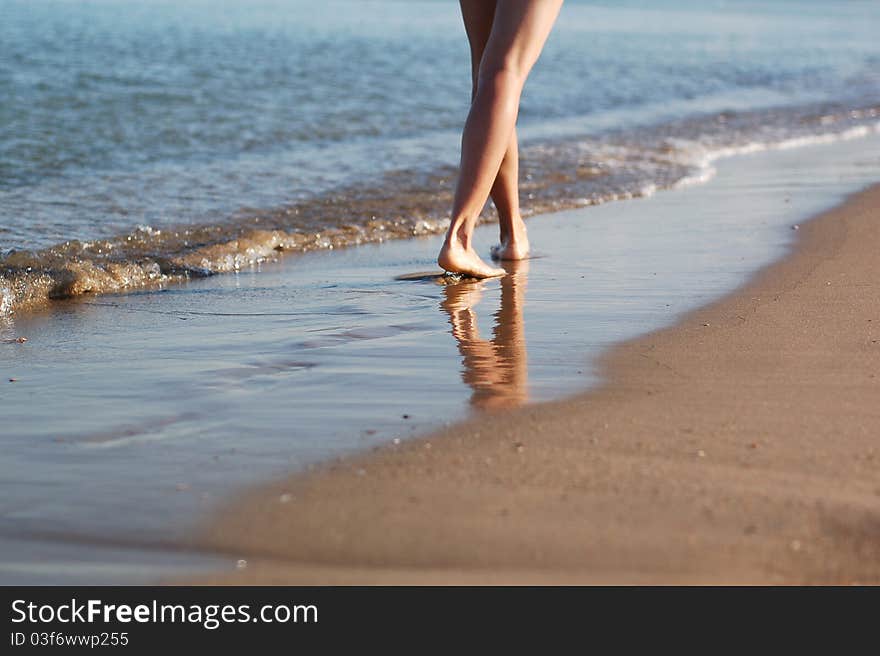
496, 369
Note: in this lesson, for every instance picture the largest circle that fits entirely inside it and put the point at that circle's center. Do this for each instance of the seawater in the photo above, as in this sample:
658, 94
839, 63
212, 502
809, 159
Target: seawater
146, 142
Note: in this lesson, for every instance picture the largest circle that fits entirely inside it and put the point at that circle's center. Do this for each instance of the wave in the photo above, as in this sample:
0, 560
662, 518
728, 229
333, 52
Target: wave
556, 174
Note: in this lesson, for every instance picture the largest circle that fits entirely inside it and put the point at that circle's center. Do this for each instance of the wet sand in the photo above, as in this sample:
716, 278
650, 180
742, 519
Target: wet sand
135, 417
739, 446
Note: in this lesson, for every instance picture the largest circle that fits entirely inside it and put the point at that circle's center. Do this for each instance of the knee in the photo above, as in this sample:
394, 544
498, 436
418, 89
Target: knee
501, 76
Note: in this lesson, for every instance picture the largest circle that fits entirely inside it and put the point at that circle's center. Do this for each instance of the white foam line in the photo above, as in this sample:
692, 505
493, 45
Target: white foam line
705, 163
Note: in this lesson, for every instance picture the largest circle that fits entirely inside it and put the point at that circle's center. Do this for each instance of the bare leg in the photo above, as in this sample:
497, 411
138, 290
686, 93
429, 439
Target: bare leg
519, 30
505, 194
478, 17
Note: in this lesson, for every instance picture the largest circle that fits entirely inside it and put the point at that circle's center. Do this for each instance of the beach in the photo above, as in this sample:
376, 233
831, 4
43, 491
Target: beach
739, 446
227, 353
137, 422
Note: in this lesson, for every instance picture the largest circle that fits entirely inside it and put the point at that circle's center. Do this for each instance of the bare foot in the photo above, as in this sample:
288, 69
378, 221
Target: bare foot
455, 258
514, 243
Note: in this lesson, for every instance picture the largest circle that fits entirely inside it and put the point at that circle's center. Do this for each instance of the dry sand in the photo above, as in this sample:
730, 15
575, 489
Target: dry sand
740, 446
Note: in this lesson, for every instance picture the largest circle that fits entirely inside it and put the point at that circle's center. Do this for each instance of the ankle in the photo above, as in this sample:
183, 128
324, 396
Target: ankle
513, 229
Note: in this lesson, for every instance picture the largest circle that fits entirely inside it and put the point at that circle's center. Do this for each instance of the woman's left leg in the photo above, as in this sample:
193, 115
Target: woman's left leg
478, 16
519, 30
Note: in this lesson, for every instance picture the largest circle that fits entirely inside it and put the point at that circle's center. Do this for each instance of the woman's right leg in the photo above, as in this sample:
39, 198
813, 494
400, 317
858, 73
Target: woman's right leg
519, 30
505, 194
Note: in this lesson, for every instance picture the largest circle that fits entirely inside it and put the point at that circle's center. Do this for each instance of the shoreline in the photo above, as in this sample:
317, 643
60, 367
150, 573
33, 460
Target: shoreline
559, 173
736, 446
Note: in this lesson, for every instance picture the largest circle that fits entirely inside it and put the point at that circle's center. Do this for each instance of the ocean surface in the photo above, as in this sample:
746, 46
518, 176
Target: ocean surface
147, 142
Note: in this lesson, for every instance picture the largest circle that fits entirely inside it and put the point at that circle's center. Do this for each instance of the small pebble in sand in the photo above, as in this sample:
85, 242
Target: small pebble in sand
427, 445
701, 454
361, 472
285, 498
795, 227
705, 325
519, 446
241, 564
753, 445
795, 545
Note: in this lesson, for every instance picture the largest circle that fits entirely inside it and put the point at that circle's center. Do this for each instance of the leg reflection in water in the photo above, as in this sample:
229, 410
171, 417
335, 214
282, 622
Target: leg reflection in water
496, 369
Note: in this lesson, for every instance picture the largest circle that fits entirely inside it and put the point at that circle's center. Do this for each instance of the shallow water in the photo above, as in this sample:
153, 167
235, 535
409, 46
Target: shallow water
133, 415
147, 142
